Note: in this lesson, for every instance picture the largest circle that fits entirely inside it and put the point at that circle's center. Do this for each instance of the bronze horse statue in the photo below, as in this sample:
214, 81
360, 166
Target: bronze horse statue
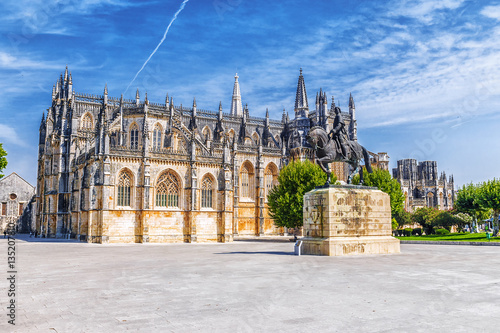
326, 151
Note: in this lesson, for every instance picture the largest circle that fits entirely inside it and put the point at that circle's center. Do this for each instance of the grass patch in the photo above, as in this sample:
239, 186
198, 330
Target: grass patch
454, 237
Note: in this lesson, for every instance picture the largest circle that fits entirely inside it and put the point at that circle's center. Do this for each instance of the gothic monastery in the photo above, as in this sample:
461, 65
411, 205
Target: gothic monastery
118, 170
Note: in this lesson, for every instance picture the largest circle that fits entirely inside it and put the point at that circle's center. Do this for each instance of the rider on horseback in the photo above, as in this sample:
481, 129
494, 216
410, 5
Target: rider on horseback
339, 133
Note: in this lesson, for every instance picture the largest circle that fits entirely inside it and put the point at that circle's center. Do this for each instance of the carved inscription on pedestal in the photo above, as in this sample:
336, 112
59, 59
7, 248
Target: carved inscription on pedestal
314, 215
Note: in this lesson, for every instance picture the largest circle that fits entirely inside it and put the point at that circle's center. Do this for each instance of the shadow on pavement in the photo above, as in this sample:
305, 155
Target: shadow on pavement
32, 239
279, 253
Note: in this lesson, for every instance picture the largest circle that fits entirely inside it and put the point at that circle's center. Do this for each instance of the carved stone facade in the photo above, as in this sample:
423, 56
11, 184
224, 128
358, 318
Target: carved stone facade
422, 187
117, 170
16, 201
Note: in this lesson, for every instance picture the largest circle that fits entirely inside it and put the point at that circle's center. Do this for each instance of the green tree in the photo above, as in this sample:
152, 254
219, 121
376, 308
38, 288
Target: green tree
444, 219
489, 197
3, 160
286, 199
383, 180
467, 202
424, 216
402, 218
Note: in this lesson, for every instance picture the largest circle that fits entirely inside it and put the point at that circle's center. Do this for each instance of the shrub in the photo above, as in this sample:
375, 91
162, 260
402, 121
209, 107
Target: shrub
417, 232
442, 232
407, 232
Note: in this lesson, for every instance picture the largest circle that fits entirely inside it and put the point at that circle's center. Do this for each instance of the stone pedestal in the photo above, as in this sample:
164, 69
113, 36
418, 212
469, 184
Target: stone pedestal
348, 220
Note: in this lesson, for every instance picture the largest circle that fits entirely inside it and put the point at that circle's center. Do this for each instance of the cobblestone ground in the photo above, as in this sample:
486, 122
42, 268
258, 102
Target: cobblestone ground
244, 286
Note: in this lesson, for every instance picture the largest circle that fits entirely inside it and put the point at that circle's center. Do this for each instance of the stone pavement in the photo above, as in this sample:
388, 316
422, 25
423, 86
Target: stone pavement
65, 286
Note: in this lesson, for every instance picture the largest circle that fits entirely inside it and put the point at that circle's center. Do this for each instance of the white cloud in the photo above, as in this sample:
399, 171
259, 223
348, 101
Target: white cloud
491, 12
9, 61
423, 10
8, 134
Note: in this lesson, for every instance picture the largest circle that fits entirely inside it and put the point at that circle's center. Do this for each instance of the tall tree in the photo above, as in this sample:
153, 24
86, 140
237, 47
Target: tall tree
3, 160
467, 201
286, 199
383, 180
489, 197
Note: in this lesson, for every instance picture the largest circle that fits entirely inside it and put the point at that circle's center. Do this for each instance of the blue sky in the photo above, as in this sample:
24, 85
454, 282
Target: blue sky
425, 75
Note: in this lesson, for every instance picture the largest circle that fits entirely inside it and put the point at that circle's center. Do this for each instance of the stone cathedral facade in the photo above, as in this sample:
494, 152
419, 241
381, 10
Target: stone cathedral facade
422, 187
118, 170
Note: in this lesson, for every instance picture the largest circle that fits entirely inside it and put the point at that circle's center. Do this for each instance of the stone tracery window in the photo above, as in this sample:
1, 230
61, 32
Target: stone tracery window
270, 178
157, 137
206, 134
207, 192
124, 189
255, 138
167, 190
87, 123
134, 136
247, 181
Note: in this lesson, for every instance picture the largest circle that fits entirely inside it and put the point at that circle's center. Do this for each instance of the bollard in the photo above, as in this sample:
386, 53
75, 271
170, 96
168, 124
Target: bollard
297, 247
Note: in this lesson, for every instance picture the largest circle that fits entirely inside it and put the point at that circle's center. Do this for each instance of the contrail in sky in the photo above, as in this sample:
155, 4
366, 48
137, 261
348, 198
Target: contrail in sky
159, 44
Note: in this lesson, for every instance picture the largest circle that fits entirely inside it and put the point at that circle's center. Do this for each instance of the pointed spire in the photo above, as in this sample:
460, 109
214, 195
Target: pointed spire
105, 96
166, 100
59, 84
146, 101
283, 116
236, 109
42, 123
70, 78
351, 102
332, 106
171, 107
267, 113
193, 123
301, 97
121, 99
53, 91
66, 74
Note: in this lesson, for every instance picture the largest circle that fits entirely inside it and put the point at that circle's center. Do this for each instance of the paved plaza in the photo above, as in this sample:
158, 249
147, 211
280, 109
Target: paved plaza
245, 286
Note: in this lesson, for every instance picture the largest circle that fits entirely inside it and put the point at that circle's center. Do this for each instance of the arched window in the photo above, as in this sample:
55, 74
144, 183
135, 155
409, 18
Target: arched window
134, 136
167, 190
124, 186
157, 137
87, 123
255, 138
247, 181
231, 135
206, 134
430, 199
207, 192
270, 178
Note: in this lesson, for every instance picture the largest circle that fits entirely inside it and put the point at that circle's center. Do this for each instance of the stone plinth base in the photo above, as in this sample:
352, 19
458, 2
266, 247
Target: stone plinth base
341, 246
348, 220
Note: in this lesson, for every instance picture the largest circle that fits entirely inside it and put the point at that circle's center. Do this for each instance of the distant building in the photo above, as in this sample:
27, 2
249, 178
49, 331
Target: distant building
379, 160
16, 200
422, 187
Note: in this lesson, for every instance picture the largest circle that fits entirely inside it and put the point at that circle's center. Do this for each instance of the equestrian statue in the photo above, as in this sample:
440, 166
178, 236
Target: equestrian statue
336, 147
